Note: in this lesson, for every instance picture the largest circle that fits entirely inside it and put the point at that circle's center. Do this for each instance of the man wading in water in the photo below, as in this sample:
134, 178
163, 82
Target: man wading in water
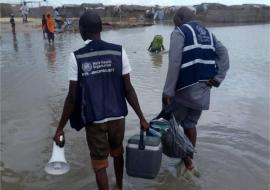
101, 70
50, 28
197, 62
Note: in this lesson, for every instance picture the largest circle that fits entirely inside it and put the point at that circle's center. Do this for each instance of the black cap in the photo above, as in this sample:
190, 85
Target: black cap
90, 23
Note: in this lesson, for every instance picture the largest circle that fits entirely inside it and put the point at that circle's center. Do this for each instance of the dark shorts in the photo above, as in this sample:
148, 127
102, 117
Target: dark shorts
50, 35
106, 138
187, 117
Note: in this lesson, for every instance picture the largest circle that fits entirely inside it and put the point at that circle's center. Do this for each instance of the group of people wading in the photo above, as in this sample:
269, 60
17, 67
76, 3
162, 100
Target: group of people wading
100, 85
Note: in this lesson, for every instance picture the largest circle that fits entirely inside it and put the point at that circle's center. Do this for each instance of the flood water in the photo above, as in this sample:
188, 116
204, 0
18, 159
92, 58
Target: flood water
233, 136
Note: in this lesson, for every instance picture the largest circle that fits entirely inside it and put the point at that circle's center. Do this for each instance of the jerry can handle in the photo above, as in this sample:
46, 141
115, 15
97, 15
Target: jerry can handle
141, 142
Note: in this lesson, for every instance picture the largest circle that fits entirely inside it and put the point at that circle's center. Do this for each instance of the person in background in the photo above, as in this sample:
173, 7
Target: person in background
50, 28
44, 26
100, 70
25, 11
57, 18
198, 61
12, 23
156, 45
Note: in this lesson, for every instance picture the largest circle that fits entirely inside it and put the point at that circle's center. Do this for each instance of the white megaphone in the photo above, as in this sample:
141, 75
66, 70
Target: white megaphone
57, 165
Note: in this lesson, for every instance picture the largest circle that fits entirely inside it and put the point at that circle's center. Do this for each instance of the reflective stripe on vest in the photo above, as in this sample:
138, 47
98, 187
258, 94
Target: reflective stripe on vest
196, 44
98, 53
210, 62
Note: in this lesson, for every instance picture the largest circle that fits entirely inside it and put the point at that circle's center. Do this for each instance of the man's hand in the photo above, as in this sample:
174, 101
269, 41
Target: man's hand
144, 124
133, 101
213, 82
59, 137
166, 100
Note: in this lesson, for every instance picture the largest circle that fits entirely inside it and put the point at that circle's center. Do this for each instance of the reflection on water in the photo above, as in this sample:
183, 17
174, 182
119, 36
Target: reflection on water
27, 40
157, 59
51, 53
15, 42
233, 136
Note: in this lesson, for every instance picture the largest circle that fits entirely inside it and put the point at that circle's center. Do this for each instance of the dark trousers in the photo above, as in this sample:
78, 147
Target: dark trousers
13, 28
50, 36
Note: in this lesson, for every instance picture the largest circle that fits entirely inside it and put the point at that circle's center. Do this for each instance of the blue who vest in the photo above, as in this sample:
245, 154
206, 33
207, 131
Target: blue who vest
198, 56
101, 89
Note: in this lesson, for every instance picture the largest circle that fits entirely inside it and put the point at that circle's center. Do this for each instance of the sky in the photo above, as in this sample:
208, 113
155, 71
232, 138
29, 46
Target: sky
146, 2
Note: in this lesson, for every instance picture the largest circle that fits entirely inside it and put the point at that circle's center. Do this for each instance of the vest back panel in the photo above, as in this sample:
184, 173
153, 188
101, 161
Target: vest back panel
101, 82
198, 56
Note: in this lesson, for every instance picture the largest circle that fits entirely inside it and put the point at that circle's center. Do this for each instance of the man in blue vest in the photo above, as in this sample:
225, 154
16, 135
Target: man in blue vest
197, 62
99, 76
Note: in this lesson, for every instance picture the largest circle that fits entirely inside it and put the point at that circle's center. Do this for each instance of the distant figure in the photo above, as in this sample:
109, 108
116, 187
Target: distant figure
50, 28
25, 11
56, 14
44, 26
57, 18
156, 45
12, 23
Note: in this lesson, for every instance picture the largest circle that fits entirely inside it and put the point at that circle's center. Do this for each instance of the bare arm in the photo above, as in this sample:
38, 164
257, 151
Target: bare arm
67, 110
132, 99
150, 46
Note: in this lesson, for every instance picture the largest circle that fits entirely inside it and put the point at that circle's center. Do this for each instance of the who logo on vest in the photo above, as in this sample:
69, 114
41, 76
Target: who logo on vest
87, 68
201, 30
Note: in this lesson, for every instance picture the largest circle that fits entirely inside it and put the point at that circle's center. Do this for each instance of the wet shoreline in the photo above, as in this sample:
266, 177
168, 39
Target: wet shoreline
33, 25
108, 24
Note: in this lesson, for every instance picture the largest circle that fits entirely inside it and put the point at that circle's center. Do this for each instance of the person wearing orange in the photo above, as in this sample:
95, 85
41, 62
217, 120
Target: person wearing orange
50, 28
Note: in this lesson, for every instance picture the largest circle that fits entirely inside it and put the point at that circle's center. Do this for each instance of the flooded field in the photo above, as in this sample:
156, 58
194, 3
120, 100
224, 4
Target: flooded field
233, 136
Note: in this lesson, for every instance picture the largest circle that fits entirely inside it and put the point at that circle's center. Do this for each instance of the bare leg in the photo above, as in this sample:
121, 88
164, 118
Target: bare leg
191, 133
13, 29
188, 162
102, 179
49, 37
52, 37
118, 170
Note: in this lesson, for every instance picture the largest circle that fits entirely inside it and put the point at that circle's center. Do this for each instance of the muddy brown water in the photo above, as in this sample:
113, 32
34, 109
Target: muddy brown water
233, 136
